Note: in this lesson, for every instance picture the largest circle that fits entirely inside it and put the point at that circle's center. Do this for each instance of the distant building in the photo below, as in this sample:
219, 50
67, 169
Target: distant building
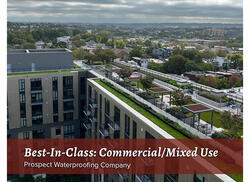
164, 52
189, 47
194, 75
31, 60
40, 45
221, 62
66, 39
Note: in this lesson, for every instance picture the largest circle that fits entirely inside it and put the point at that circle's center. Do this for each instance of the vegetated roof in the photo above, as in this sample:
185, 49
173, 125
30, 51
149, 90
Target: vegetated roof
197, 108
158, 90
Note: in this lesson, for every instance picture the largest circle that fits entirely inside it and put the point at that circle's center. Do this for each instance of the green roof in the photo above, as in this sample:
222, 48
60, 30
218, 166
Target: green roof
43, 72
144, 112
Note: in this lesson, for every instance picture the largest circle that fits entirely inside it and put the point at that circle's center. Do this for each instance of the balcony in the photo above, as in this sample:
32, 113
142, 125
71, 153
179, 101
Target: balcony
87, 125
124, 176
143, 178
92, 103
113, 125
93, 120
104, 132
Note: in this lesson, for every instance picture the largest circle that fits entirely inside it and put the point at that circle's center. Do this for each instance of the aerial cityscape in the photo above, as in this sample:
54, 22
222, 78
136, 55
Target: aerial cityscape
132, 79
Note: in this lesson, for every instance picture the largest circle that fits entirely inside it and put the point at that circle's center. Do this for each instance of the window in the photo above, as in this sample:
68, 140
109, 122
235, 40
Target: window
134, 129
55, 118
36, 97
23, 110
127, 127
100, 103
36, 84
37, 110
68, 116
117, 116
149, 136
55, 107
68, 81
69, 105
199, 178
82, 85
54, 83
21, 85
22, 97
69, 131
38, 134
58, 131
171, 178
26, 135
90, 92
55, 95
107, 107
67, 87
23, 122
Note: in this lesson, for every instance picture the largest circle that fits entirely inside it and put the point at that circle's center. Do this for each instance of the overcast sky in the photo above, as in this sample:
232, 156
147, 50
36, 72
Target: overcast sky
126, 11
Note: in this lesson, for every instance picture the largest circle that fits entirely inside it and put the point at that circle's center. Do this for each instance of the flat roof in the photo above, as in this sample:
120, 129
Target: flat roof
197, 108
134, 78
158, 90
28, 51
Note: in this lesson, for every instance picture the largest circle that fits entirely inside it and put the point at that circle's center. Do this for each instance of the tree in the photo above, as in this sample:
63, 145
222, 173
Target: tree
233, 123
207, 54
105, 55
28, 45
179, 98
146, 81
236, 61
221, 53
125, 73
222, 83
136, 52
155, 66
176, 64
234, 80
191, 66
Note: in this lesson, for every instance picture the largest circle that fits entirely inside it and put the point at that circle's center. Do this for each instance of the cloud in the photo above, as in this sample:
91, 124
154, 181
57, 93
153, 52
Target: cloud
127, 11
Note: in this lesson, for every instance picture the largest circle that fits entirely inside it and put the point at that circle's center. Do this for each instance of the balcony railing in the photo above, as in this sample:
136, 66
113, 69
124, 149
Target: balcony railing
113, 125
87, 125
86, 111
68, 98
92, 104
93, 120
143, 178
36, 102
67, 110
104, 132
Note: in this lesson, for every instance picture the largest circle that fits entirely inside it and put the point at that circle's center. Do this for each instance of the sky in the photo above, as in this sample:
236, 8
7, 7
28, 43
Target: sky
126, 11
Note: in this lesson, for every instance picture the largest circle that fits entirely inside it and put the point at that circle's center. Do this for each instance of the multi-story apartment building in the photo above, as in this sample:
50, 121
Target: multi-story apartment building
75, 104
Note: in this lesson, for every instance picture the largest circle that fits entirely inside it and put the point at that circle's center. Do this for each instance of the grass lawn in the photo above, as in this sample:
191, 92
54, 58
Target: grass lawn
207, 117
140, 85
145, 113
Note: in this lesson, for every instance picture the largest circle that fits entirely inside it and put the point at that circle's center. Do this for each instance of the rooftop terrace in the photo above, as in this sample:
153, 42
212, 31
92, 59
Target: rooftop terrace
169, 129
